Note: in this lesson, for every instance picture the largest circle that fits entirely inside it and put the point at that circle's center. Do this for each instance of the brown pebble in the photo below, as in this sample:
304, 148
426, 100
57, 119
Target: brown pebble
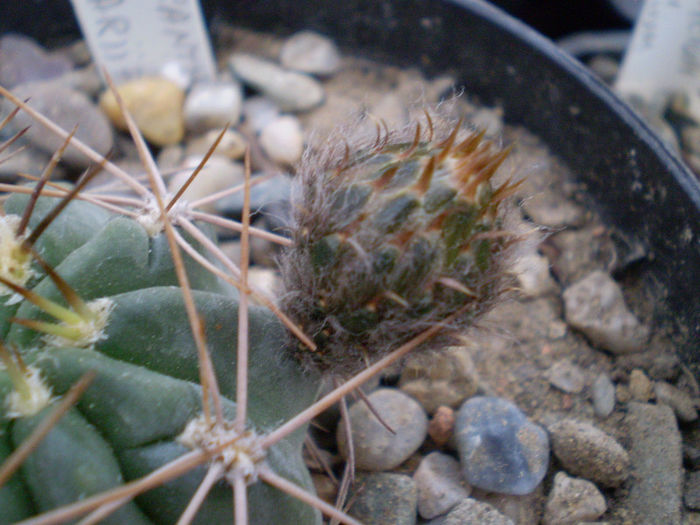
442, 425
640, 387
326, 489
586, 451
567, 402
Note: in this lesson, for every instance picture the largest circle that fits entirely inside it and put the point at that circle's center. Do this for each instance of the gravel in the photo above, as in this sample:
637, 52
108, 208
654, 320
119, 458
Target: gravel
590, 453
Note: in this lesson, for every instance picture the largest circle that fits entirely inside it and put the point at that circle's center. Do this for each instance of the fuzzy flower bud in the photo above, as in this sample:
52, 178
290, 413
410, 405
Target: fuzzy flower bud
391, 235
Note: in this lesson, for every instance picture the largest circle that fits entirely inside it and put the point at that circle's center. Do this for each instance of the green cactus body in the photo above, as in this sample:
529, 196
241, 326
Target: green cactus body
130, 420
392, 239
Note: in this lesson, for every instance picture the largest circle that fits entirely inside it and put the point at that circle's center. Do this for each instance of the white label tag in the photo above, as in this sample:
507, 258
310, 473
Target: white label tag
663, 56
135, 38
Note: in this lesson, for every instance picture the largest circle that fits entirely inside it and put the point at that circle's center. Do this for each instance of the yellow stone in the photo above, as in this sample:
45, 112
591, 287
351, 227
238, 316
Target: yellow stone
156, 106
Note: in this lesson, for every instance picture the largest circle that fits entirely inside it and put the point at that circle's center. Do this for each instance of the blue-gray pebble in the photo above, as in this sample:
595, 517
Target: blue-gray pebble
263, 196
499, 448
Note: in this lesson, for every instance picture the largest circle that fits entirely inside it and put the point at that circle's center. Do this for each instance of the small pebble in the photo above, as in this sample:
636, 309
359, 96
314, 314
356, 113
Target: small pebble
310, 52
590, 453
499, 448
566, 376
23, 60
282, 140
622, 394
290, 90
640, 386
155, 103
375, 447
218, 174
488, 119
382, 498
603, 394
533, 275
259, 111
681, 403
572, 501
77, 52
659, 363
274, 190
473, 512
439, 484
578, 252
441, 427
29, 160
390, 109
232, 249
556, 329
520, 509
171, 157
232, 144
553, 210
86, 80
656, 456
263, 279
690, 137
275, 215
326, 488
67, 108
596, 307
605, 67
447, 378
212, 106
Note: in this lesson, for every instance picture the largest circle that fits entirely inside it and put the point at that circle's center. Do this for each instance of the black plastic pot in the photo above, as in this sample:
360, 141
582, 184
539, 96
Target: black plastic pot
636, 182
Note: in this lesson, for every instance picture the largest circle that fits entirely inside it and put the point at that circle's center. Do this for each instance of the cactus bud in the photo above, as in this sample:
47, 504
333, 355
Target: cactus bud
391, 236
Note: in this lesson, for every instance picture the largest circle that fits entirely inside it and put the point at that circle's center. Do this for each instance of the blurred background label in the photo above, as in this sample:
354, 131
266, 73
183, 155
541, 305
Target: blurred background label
663, 57
136, 38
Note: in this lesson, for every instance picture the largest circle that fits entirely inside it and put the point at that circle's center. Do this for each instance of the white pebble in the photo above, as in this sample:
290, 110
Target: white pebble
310, 52
212, 105
533, 275
440, 485
259, 111
176, 72
218, 174
291, 90
232, 144
595, 306
566, 376
603, 394
572, 501
283, 140
376, 448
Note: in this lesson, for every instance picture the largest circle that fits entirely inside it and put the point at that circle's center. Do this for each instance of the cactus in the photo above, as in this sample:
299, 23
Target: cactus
134, 416
393, 237
130, 348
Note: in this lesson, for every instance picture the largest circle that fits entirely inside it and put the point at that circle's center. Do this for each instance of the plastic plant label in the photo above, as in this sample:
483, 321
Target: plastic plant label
135, 38
663, 56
